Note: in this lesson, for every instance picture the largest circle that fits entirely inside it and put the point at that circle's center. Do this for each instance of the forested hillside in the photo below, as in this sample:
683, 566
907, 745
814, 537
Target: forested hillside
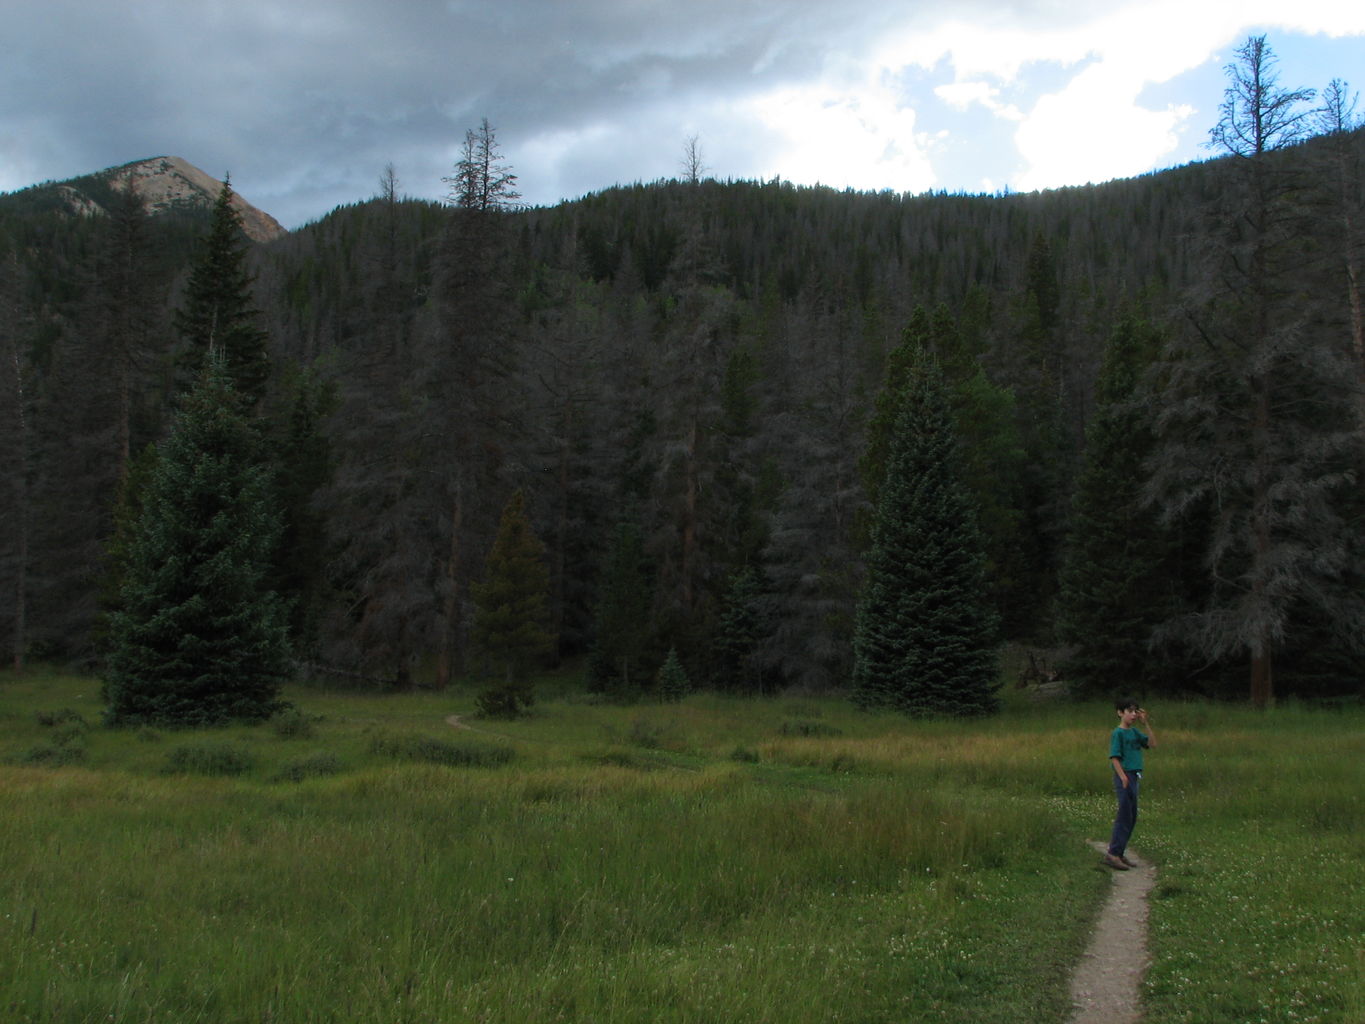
1155, 386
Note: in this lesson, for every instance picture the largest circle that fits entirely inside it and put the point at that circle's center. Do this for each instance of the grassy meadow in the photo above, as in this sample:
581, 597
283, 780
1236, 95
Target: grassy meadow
718, 860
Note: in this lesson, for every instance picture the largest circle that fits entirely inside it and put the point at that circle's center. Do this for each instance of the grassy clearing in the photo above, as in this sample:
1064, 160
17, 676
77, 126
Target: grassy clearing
782, 861
1258, 914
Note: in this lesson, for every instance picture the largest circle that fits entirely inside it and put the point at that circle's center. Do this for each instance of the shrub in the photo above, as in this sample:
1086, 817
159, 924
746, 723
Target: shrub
429, 749
744, 755
292, 724
62, 717
644, 733
208, 759
508, 700
808, 728
68, 734
309, 767
614, 759
66, 744
52, 755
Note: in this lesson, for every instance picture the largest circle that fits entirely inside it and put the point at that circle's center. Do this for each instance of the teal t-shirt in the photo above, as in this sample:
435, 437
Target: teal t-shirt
1127, 746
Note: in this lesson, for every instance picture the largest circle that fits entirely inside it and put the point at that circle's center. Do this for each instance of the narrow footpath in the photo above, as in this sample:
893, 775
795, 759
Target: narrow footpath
1107, 985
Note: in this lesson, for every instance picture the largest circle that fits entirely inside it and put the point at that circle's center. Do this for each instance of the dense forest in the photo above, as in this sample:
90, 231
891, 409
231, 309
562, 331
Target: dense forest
680, 400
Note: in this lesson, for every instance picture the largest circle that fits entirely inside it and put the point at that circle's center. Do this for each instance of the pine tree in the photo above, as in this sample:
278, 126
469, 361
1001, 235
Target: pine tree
1119, 579
673, 681
303, 455
619, 641
739, 630
16, 443
510, 609
925, 637
1254, 421
218, 312
199, 638
992, 459
469, 392
812, 556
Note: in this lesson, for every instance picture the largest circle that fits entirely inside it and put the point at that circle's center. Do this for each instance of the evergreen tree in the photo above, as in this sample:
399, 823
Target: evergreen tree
218, 312
130, 321
1342, 177
881, 426
620, 642
199, 638
303, 455
992, 456
510, 608
118, 550
103, 400
925, 637
1119, 580
673, 682
470, 398
16, 443
812, 559
1255, 422
739, 630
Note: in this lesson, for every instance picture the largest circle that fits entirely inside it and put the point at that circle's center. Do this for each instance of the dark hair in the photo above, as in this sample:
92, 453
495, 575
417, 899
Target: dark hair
1124, 703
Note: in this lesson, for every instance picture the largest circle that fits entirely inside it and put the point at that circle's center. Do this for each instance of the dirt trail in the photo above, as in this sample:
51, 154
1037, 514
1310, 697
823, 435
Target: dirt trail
1106, 988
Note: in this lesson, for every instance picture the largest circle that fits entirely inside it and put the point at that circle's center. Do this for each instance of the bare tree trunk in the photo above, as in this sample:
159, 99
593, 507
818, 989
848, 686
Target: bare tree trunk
450, 613
123, 428
1262, 683
21, 567
1336, 119
21, 497
559, 596
1353, 287
689, 524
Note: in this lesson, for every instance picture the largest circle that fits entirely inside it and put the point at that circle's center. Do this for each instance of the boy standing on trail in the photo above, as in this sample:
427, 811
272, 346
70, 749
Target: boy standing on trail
1126, 744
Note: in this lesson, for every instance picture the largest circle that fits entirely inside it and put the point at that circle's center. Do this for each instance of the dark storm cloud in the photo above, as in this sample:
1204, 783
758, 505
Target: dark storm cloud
305, 102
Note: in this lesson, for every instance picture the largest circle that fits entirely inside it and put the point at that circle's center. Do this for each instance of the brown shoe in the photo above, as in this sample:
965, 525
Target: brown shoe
1124, 857
1115, 862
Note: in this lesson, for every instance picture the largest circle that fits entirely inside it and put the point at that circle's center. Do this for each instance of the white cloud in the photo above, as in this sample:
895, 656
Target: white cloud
961, 95
591, 92
1094, 128
858, 139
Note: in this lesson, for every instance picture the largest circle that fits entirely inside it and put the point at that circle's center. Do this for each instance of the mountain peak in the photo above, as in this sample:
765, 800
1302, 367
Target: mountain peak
168, 181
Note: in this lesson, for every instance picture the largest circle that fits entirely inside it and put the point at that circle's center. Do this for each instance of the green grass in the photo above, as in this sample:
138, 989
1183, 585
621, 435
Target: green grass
714, 860
1257, 825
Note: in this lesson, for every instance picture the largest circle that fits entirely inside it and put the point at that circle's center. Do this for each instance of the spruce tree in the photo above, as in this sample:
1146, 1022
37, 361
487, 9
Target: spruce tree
673, 682
198, 637
218, 312
470, 396
1119, 578
992, 463
739, 629
1255, 422
303, 455
925, 636
510, 605
619, 641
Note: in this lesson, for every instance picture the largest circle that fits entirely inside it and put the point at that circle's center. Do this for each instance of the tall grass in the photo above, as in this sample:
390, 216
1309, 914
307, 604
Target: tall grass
621, 864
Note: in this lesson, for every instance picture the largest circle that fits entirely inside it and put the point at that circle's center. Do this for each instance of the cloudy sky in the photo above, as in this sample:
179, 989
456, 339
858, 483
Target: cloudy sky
305, 101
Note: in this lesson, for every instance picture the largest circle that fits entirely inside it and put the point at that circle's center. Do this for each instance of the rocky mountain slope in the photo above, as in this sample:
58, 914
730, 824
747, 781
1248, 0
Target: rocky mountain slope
166, 182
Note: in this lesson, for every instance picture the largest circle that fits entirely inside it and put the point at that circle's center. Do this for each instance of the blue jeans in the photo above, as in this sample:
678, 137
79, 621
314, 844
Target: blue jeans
1127, 814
